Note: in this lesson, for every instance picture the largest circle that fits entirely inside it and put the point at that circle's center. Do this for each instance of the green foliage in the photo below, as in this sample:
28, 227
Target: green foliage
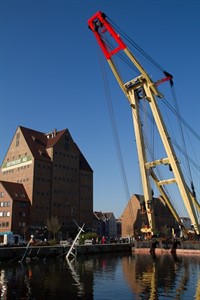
87, 236
53, 226
52, 242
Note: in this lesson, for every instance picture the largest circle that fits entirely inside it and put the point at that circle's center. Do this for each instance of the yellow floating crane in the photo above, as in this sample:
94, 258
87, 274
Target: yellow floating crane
142, 88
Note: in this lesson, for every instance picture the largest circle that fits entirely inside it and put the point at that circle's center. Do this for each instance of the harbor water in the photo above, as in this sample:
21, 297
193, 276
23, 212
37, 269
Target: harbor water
102, 277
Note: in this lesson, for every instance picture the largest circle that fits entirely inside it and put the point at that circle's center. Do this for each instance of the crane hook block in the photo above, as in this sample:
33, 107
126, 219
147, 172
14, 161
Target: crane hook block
99, 26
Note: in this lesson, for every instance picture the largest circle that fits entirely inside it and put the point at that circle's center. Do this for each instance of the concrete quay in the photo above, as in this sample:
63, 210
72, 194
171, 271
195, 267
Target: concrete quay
167, 247
16, 253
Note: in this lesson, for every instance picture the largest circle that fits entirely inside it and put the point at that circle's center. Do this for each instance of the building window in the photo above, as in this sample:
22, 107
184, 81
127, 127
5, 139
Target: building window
1, 194
4, 224
22, 214
4, 214
5, 203
17, 139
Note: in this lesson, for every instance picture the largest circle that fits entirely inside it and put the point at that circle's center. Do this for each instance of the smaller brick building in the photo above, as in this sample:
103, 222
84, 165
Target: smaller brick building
13, 198
133, 219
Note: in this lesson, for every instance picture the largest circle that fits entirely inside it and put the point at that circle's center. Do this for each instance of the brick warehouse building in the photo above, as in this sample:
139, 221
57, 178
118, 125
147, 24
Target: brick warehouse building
57, 180
133, 219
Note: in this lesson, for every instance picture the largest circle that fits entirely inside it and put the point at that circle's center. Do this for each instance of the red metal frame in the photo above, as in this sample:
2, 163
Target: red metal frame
168, 78
105, 27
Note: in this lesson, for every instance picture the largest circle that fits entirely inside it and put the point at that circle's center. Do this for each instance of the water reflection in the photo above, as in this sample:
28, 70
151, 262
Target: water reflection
138, 276
163, 276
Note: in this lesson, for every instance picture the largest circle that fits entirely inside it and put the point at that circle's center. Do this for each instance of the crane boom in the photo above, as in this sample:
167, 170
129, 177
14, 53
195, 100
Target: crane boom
136, 90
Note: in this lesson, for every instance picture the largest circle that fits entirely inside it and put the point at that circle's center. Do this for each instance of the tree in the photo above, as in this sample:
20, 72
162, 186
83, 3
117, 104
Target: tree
53, 226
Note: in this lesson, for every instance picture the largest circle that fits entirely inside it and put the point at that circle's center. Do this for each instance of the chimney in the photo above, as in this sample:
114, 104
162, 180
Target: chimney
54, 132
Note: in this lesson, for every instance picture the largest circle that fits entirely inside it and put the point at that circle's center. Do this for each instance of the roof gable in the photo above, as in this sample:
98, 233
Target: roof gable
84, 165
52, 140
15, 190
39, 142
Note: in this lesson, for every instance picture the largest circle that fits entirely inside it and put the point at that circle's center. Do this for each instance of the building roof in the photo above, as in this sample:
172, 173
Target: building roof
15, 190
103, 216
39, 142
83, 162
55, 137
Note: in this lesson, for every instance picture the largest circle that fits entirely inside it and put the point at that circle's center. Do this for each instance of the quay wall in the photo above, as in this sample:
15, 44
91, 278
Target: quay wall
16, 253
182, 247
105, 248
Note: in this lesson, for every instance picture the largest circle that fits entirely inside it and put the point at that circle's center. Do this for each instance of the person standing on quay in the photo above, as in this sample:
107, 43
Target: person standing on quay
103, 240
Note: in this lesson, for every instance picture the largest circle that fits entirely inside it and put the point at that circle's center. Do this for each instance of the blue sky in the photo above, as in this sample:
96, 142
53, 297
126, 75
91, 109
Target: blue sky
51, 77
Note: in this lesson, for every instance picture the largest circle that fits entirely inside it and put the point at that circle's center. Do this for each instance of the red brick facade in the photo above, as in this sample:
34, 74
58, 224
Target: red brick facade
133, 219
57, 178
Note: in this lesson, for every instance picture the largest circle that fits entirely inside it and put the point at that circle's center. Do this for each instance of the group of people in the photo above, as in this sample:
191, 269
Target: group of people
99, 240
